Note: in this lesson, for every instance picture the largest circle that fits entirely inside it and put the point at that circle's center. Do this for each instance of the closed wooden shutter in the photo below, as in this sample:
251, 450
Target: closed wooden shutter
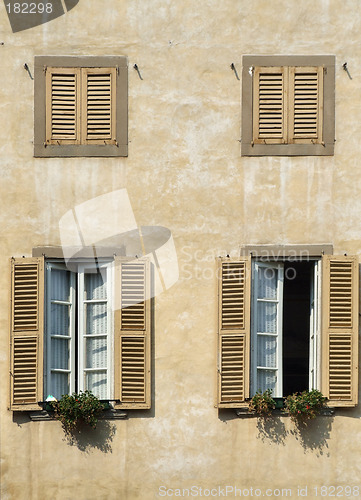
62, 105
340, 330
98, 105
27, 331
233, 332
269, 105
133, 334
305, 105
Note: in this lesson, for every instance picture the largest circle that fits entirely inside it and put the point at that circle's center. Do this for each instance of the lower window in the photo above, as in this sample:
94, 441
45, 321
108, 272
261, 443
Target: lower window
79, 330
287, 326
81, 326
285, 339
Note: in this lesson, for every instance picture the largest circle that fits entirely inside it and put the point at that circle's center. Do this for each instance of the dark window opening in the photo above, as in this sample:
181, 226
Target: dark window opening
296, 326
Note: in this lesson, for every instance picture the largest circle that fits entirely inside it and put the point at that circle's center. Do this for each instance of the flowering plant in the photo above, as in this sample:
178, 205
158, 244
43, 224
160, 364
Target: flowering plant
304, 405
74, 409
262, 403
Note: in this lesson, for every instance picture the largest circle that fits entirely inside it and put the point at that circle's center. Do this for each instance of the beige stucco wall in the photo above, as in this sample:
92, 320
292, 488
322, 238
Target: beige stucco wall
184, 171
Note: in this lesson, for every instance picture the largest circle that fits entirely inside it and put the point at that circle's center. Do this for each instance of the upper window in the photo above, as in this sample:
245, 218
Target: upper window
80, 106
81, 327
288, 326
288, 105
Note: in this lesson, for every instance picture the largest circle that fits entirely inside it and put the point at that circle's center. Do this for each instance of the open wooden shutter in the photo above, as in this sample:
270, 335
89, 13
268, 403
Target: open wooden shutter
132, 334
234, 295
62, 106
27, 331
99, 105
340, 330
305, 105
269, 105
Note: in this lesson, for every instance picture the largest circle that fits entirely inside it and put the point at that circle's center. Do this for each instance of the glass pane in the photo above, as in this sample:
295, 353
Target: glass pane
96, 318
60, 354
95, 286
267, 283
59, 384
267, 317
96, 352
267, 351
59, 319
60, 285
266, 379
97, 383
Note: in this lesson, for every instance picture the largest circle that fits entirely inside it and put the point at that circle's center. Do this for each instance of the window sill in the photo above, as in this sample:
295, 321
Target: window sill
109, 413
245, 413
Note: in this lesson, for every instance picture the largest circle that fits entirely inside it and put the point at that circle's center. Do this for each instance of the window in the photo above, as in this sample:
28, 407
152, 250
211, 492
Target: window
288, 326
80, 327
78, 330
288, 105
80, 106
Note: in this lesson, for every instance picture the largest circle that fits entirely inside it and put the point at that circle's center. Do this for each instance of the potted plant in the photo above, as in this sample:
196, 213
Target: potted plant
262, 403
73, 410
305, 405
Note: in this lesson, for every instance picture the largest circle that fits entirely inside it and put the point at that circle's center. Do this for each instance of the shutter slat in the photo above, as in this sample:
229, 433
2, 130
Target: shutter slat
133, 369
133, 334
27, 333
99, 108
305, 97
133, 296
234, 332
340, 329
63, 107
269, 117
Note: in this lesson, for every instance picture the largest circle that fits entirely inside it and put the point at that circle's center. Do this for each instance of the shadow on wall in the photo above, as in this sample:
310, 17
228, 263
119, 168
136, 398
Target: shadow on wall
88, 439
85, 439
313, 435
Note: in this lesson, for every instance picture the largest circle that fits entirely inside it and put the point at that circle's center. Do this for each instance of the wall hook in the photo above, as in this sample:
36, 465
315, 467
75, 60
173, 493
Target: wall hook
235, 71
346, 69
28, 70
137, 70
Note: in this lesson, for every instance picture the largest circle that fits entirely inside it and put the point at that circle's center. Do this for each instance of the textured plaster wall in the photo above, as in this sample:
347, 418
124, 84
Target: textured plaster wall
184, 171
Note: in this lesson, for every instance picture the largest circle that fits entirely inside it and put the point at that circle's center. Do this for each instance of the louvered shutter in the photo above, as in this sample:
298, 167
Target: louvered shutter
233, 332
27, 330
340, 330
133, 334
305, 105
62, 106
99, 105
269, 105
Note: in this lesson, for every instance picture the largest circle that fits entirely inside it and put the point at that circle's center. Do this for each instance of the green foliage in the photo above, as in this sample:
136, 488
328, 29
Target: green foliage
262, 403
305, 405
76, 409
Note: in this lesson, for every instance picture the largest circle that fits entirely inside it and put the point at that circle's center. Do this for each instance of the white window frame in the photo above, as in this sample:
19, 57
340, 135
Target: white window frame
315, 326
77, 280
278, 334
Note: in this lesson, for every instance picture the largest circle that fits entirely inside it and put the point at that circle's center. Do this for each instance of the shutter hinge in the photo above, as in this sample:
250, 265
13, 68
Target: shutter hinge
117, 68
325, 70
45, 69
251, 70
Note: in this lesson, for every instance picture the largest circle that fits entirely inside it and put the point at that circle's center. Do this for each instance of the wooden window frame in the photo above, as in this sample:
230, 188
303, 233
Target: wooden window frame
324, 145
118, 145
